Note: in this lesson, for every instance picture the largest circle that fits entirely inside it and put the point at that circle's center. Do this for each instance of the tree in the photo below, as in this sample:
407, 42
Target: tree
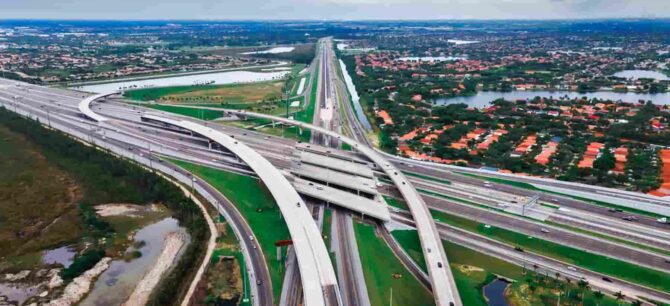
636, 303
619, 296
599, 296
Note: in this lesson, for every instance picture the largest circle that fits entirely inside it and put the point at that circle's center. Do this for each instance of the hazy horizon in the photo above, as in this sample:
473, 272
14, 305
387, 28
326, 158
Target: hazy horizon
334, 10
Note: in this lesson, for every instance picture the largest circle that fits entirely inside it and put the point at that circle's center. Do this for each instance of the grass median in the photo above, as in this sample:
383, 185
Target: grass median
384, 273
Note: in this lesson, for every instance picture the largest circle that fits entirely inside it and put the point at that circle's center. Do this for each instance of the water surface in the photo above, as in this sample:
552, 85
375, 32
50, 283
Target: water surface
642, 74
214, 78
483, 98
116, 284
495, 292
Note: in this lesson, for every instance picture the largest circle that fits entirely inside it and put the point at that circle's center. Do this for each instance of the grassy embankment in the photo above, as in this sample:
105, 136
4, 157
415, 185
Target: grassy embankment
256, 205
598, 263
473, 270
389, 274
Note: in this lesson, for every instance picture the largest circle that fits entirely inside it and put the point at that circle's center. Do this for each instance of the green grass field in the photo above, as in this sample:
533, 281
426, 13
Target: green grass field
379, 273
472, 270
256, 205
598, 263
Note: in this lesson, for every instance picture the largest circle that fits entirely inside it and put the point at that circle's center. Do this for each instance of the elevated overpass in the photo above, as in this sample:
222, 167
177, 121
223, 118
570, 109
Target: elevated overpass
316, 269
442, 281
85, 106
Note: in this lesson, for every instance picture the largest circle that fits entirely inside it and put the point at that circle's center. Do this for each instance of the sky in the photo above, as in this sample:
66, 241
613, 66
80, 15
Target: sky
331, 9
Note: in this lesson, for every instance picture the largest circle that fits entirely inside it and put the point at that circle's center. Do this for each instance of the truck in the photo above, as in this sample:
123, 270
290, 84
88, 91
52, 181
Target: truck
663, 220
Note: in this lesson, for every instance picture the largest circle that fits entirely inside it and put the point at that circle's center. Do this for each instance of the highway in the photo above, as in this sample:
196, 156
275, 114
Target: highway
543, 264
126, 132
343, 240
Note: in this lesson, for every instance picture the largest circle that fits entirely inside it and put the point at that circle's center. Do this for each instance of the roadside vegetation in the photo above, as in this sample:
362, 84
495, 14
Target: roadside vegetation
256, 205
86, 177
473, 270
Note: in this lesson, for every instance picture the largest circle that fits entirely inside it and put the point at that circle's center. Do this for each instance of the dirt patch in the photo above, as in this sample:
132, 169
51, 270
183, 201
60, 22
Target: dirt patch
131, 210
79, 286
469, 269
173, 243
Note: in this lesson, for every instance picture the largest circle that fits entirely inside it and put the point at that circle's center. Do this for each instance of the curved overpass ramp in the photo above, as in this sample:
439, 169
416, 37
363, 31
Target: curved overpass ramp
85, 106
316, 269
442, 280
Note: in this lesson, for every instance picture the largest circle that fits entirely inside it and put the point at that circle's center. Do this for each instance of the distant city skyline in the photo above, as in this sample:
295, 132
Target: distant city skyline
333, 9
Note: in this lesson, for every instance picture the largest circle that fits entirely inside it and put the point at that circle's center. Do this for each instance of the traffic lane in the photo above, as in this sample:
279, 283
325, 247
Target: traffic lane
562, 200
592, 245
614, 228
527, 259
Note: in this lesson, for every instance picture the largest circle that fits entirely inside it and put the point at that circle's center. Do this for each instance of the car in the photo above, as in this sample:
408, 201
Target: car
259, 282
514, 202
612, 210
311, 184
439, 265
544, 230
251, 238
667, 260
319, 188
518, 249
607, 279
571, 268
629, 218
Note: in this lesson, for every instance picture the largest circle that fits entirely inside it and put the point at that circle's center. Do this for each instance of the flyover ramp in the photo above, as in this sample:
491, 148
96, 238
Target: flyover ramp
365, 206
334, 163
316, 268
331, 177
85, 106
442, 281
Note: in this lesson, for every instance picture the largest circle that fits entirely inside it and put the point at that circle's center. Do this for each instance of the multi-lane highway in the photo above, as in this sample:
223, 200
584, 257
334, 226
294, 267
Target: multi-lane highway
123, 130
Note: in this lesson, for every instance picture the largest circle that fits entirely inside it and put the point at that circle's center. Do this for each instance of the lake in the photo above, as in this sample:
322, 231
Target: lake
483, 98
642, 74
276, 50
217, 78
116, 284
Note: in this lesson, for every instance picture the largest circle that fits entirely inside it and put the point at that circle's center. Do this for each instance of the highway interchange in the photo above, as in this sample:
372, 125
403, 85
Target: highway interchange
127, 134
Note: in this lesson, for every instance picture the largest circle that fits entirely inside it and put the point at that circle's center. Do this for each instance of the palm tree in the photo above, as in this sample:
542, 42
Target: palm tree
619, 296
583, 286
599, 296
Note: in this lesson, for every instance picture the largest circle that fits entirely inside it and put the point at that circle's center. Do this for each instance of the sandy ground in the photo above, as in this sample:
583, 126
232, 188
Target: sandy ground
106, 210
173, 243
79, 286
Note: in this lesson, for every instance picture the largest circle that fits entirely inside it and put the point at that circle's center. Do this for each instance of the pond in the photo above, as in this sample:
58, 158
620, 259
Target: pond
63, 255
495, 292
214, 78
483, 98
115, 285
642, 74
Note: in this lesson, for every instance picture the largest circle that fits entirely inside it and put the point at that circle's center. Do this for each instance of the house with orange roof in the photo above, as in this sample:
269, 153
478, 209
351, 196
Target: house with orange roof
494, 137
621, 157
664, 189
524, 146
385, 116
547, 152
590, 155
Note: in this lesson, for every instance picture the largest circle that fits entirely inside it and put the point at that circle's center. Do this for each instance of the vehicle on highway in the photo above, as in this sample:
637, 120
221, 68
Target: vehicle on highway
571, 268
544, 230
518, 249
629, 218
607, 279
